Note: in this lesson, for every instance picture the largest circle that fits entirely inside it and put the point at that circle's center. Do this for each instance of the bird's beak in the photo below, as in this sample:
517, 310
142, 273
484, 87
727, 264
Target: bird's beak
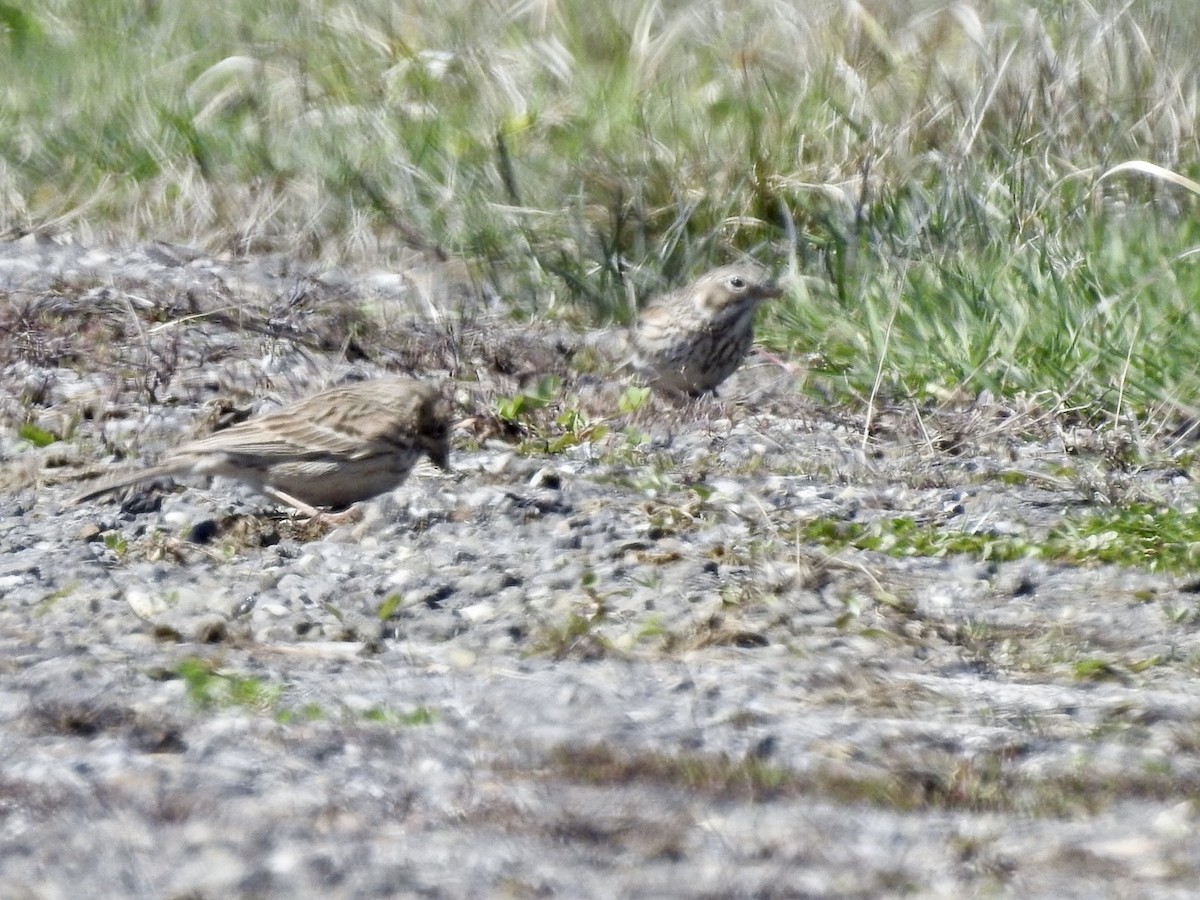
440, 455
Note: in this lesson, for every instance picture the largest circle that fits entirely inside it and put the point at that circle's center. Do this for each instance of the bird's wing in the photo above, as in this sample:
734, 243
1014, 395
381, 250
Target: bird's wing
352, 422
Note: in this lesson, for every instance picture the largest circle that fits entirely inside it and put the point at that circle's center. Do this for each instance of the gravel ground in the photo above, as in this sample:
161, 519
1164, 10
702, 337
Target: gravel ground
585, 664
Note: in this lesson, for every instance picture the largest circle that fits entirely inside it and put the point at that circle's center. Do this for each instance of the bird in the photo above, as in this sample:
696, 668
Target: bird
331, 449
694, 338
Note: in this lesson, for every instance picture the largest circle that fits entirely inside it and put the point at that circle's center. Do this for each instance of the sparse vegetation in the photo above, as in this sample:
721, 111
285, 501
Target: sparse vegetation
987, 348
1157, 538
928, 174
581, 635
992, 781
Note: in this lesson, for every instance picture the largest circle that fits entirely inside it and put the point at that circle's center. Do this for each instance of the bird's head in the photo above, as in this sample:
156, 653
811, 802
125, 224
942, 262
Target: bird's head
435, 416
731, 289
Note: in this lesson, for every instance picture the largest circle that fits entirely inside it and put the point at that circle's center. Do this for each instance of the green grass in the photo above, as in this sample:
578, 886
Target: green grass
928, 181
1136, 535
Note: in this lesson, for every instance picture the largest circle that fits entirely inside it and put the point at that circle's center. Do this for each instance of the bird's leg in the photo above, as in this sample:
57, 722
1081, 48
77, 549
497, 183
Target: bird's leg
316, 515
288, 500
790, 367
345, 517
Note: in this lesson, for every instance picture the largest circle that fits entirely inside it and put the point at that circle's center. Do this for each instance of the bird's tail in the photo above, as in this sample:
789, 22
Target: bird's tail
109, 485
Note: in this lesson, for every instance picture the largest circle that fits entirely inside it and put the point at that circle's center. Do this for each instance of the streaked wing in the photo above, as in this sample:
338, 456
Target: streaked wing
353, 422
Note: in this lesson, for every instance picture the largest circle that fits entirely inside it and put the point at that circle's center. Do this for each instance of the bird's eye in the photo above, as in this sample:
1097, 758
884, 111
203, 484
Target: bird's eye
737, 282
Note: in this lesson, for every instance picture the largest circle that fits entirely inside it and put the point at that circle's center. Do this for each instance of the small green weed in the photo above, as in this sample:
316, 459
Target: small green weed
633, 398
385, 715
208, 688
577, 429
517, 408
309, 712
389, 606
116, 542
39, 437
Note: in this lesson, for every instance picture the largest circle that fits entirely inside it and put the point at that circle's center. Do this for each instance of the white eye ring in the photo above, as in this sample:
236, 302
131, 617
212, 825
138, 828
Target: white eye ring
737, 282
